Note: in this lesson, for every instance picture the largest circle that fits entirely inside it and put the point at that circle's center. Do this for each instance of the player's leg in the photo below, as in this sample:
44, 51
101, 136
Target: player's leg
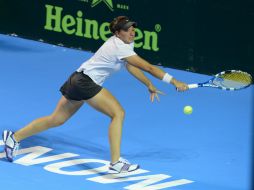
64, 110
106, 103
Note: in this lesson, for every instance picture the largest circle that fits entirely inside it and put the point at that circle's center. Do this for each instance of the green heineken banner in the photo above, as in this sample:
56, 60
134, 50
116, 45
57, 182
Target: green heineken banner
201, 36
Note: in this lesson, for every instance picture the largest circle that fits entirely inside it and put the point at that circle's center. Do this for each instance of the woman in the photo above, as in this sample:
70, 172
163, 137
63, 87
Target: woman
85, 86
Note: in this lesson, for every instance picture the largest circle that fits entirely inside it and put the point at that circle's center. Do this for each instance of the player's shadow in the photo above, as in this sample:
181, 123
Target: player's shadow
165, 154
84, 148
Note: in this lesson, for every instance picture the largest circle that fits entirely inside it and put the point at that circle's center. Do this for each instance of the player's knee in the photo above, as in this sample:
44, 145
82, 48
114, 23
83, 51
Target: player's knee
57, 121
119, 114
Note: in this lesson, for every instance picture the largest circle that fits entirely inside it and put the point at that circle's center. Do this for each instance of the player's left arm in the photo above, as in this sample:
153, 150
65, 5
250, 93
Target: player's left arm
138, 74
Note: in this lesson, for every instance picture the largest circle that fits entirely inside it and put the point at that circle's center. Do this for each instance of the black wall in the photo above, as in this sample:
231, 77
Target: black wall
205, 36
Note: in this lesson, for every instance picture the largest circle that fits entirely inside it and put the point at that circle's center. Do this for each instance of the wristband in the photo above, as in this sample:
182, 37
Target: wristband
167, 78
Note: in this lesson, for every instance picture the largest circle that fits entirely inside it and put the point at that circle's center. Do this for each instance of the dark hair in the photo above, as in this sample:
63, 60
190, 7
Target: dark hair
121, 23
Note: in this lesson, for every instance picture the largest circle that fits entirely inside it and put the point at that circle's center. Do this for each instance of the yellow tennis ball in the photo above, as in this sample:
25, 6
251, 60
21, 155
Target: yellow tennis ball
187, 110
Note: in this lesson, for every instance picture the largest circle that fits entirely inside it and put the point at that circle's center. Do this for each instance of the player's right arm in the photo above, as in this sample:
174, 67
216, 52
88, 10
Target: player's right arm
142, 64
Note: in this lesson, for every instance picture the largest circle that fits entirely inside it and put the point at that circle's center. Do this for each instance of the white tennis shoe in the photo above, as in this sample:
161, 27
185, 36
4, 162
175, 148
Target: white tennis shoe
122, 166
11, 146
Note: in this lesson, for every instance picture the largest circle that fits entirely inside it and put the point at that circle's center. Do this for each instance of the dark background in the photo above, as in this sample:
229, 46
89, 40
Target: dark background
204, 36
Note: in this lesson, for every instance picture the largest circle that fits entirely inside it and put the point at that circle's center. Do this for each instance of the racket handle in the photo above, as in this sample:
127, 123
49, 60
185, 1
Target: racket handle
192, 86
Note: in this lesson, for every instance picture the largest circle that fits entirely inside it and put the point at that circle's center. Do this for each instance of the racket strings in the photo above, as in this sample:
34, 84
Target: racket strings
233, 80
240, 77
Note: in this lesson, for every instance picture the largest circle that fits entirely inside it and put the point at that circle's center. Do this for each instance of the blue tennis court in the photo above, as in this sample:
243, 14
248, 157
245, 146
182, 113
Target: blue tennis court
209, 149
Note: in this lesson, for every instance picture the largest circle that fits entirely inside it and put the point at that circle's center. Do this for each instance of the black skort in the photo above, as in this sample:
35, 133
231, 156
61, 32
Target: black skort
79, 87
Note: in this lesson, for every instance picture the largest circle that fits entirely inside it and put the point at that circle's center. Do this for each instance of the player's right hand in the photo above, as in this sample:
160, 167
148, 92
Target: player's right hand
180, 86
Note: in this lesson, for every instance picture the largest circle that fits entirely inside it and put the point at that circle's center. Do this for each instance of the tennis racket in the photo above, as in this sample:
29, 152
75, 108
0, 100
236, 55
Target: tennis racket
227, 80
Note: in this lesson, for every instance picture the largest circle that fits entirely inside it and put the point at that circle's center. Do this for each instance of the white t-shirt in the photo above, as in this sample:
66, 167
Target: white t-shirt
107, 60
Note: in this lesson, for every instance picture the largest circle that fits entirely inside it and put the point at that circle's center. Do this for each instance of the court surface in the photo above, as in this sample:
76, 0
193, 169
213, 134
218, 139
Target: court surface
209, 149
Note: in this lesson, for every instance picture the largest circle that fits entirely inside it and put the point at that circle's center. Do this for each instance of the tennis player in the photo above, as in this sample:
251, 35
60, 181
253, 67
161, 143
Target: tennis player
85, 86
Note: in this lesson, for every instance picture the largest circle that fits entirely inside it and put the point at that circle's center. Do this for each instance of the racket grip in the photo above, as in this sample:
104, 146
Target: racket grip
192, 86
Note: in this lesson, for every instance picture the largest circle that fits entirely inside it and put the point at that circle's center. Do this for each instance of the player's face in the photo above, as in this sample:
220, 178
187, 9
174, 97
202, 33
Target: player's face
127, 36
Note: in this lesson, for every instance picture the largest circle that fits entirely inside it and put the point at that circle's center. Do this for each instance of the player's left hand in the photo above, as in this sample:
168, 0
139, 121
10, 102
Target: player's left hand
154, 93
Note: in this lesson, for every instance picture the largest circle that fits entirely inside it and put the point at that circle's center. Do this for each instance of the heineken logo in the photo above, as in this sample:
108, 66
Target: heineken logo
58, 21
109, 3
